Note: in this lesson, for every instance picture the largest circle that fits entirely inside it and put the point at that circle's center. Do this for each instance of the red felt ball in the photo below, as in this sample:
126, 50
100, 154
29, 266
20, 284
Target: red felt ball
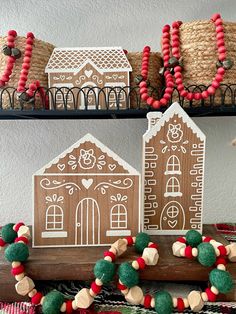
222, 250
121, 287
12, 33
220, 260
24, 239
130, 240
96, 288
181, 239
37, 298
141, 262
154, 246
211, 296
180, 305
111, 254
147, 301
188, 252
17, 270
215, 17
2, 242
30, 34
69, 308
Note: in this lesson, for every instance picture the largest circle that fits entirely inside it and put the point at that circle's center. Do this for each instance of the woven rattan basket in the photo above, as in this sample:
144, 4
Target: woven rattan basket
40, 56
199, 52
156, 80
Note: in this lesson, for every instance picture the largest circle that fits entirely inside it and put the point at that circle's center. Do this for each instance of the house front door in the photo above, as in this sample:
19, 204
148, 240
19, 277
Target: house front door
89, 96
87, 222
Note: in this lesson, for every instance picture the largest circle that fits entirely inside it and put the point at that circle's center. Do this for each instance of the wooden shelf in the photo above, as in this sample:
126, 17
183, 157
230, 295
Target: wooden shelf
78, 263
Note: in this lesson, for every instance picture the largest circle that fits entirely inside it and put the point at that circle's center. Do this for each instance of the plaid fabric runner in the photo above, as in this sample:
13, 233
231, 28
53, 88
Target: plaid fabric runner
227, 230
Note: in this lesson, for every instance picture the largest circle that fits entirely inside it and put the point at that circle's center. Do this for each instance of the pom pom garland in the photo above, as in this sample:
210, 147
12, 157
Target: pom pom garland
17, 252
8, 233
163, 302
104, 270
193, 238
206, 254
142, 240
53, 302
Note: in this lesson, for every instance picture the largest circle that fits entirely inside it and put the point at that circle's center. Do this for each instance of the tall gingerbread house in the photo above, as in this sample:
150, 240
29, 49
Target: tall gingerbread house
173, 173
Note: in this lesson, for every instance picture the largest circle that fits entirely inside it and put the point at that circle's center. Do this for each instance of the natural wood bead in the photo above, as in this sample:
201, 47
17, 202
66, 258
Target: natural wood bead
24, 286
124, 292
186, 303
74, 305
221, 267
108, 258
126, 241
214, 290
204, 296
151, 255
135, 265
232, 252
195, 252
42, 300
174, 302
113, 250
182, 252
91, 292
195, 301
24, 231
15, 264
135, 295
176, 248
19, 277
217, 251
98, 282
32, 293
63, 307
83, 299
150, 243
134, 239
142, 302
152, 303
120, 246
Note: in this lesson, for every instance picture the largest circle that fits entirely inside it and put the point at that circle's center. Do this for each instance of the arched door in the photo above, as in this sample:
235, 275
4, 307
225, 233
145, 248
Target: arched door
89, 95
87, 222
172, 216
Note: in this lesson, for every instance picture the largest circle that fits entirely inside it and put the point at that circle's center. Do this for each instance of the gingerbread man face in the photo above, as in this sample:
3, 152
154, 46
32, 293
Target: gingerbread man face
174, 133
87, 159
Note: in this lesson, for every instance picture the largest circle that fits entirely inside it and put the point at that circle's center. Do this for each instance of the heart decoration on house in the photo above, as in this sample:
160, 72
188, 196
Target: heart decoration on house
172, 223
87, 183
62, 77
112, 167
61, 167
88, 73
174, 147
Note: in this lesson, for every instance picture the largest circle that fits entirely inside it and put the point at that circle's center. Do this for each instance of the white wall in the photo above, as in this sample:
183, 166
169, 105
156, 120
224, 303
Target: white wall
25, 146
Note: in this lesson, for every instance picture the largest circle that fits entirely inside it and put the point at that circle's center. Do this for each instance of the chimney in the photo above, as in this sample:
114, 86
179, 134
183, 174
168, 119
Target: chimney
153, 117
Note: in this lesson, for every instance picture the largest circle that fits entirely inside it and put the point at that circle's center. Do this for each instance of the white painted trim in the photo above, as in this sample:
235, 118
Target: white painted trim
118, 233
72, 245
75, 70
90, 138
175, 108
168, 232
54, 234
84, 174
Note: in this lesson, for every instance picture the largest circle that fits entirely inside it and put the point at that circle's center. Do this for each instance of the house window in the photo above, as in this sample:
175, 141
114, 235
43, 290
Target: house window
115, 94
173, 165
63, 96
54, 218
118, 217
173, 188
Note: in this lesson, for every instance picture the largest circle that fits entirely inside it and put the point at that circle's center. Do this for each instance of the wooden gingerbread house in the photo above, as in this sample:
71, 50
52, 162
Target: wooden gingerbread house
85, 196
173, 173
78, 74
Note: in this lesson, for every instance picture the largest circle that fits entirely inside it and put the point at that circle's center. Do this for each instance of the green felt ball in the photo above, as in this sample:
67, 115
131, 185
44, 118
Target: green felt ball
163, 302
104, 270
221, 279
206, 254
17, 252
8, 234
142, 240
128, 275
193, 238
52, 302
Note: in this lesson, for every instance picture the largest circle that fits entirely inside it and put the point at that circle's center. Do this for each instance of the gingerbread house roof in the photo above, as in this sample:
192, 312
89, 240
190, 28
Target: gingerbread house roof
175, 108
122, 166
104, 59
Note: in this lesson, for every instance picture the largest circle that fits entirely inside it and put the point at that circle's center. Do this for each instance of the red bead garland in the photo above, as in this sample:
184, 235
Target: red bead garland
147, 301
180, 305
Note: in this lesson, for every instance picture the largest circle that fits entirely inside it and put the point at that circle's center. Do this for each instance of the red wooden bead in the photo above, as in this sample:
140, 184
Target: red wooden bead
221, 71
180, 86
121, 287
175, 44
167, 96
30, 93
9, 66
30, 34
181, 239
32, 86
10, 38
150, 101
180, 305
165, 41
219, 78
7, 72
211, 90
218, 22
170, 84
23, 78
166, 35
178, 75
220, 42
28, 54
154, 246
11, 45
69, 308
130, 240
146, 49
20, 89
156, 104
5, 78
169, 90
197, 96
205, 94
175, 24
188, 252
21, 83
166, 28
215, 17
145, 59
37, 298
17, 270
175, 50
190, 96
141, 262
211, 296
26, 60
12, 33
96, 288
143, 90
222, 56
183, 93
220, 35
2, 242
25, 66
144, 96
28, 48
24, 239
219, 29
29, 41
11, 59
175, 31
25, 72
220, 260
222, 49
175, 38
222, 250
2, 83
179, 81
166, 46
111, 254
144, 68
144, 73
146, 54
163, 102
177, 69
165, 51
147, 301
142, 84
215, 84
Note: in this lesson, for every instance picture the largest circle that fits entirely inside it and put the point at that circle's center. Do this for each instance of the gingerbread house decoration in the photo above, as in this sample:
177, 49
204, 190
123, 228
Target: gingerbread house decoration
78, 74
173, 173
86, 196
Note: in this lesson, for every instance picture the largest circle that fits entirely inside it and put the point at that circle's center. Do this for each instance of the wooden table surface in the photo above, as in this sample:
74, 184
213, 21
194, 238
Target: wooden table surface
78, 263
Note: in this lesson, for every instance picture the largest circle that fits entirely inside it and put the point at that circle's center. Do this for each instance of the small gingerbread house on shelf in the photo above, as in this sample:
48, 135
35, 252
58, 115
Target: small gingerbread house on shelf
79, 74
86, 196
173, 173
